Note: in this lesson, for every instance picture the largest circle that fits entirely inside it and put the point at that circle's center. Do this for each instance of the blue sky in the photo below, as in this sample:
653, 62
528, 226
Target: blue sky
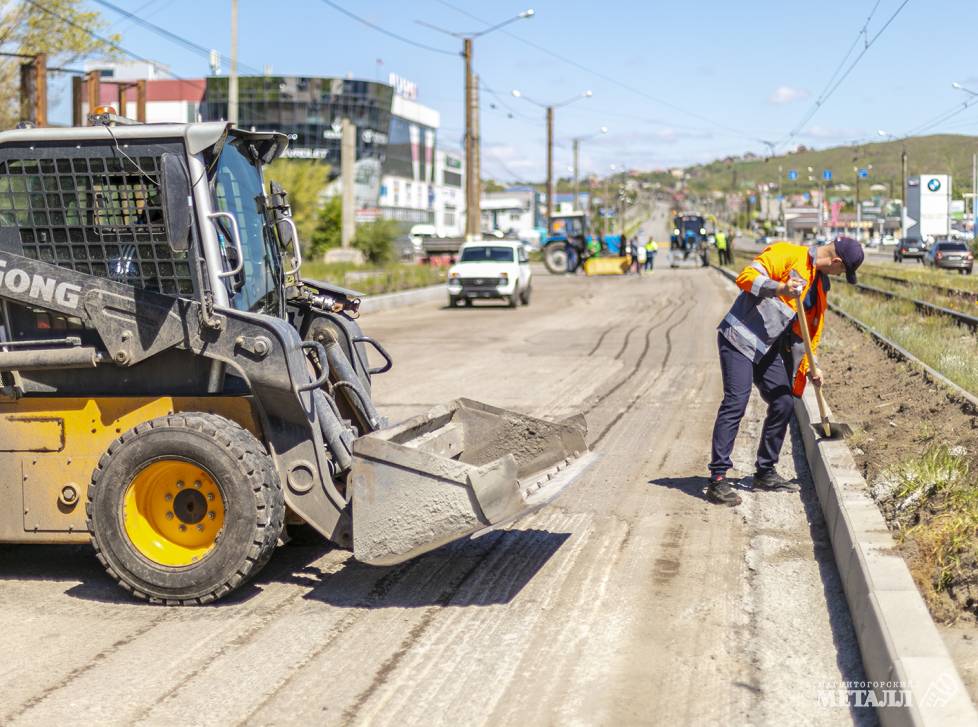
745, 71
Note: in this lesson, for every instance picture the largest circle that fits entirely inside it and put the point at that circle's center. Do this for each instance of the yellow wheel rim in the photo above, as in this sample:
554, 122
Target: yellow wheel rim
173, 512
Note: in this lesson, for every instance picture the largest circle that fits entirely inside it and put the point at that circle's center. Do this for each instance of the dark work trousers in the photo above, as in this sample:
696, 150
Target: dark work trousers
770, 375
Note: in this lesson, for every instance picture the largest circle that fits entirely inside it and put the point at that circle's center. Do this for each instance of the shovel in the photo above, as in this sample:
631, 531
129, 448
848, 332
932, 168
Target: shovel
830, 430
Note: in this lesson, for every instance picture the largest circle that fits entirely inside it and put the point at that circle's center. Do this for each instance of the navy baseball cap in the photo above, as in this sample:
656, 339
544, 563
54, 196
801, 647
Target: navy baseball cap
852, 256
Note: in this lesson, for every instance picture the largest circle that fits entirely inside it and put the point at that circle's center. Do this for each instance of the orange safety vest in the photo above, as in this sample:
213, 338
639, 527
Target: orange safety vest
759, 280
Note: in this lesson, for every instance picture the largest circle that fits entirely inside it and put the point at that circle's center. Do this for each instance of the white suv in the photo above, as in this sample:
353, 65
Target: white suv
497, 269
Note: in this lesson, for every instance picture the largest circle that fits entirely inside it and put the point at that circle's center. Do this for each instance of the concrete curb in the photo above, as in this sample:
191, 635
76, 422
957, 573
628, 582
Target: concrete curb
898, 640
403, 298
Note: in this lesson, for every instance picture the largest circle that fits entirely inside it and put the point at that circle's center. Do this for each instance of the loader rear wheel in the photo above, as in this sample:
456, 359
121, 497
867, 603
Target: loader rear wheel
185, 508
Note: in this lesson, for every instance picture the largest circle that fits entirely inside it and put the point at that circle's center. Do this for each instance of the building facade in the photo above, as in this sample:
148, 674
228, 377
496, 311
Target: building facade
400, 174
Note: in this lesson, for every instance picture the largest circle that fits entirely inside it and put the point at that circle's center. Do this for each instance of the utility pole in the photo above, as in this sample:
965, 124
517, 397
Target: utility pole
577, 190
348, 154
233, 77
34, 90
76, 101
476, 157
121, 90
974, 191
550, 168
141, 101
92, 84
472, 211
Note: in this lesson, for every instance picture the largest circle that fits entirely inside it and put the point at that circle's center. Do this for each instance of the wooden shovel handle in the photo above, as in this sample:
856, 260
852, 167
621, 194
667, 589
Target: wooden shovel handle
807, 338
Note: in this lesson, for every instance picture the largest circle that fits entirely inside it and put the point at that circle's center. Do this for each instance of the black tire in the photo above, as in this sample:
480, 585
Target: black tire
968, 271
514, 300
452, 301
468, 302
526, 295
254, 507
897, 259
555, 258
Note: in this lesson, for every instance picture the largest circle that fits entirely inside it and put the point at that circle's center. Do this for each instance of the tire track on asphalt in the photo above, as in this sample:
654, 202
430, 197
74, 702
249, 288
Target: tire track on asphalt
624, 344
454, 585
635, 399
601, 338
77, 672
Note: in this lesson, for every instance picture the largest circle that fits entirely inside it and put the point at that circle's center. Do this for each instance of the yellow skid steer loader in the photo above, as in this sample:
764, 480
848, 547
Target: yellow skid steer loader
172, 389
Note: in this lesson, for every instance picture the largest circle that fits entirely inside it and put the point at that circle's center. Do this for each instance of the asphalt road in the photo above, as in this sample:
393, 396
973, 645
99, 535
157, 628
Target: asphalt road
629, 600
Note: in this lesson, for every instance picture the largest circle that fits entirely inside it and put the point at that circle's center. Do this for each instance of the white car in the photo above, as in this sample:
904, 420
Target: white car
492, 269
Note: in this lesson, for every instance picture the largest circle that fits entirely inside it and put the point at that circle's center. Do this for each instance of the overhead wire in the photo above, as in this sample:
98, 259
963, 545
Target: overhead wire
391, 34
604, 76
836, 80
171, 36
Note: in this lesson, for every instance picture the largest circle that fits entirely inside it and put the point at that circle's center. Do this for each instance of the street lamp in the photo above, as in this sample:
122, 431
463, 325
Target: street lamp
550, 142
903, 179
473, 213
968, 91
577, 150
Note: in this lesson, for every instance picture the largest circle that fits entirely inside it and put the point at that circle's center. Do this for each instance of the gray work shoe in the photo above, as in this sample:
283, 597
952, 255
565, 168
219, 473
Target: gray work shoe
773, 482
720, 492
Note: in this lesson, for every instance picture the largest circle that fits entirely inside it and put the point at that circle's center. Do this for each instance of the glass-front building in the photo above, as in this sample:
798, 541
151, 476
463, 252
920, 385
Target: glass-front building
308, 108
396, 139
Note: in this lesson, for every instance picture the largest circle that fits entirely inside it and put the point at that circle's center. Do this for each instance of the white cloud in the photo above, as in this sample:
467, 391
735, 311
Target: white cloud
787, 94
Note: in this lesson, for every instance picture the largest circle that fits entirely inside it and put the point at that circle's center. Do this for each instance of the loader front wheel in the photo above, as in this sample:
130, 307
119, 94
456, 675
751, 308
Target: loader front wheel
185, 508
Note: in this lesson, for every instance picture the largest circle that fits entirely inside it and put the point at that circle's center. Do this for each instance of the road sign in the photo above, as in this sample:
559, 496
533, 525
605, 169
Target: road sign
792, 175
863, 173
827, 175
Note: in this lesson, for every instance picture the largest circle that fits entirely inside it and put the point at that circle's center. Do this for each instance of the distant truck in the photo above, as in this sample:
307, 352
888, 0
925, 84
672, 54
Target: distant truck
689, 235
928, 207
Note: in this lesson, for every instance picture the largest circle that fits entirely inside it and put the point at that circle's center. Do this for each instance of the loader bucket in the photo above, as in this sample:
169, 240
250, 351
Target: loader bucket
455, 471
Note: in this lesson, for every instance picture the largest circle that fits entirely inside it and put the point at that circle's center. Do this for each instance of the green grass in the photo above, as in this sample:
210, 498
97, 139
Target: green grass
934, 504
925, 276
935, 340
375, 279
923, 292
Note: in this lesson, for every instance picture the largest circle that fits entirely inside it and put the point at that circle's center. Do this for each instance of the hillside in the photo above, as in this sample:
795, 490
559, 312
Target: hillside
937, 154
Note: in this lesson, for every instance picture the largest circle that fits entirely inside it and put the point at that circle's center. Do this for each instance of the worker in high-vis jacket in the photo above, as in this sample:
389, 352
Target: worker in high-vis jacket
760, 344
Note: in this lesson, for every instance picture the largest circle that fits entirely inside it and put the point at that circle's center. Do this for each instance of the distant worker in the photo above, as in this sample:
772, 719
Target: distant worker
634, 254
760, 343
721, 241
651, 248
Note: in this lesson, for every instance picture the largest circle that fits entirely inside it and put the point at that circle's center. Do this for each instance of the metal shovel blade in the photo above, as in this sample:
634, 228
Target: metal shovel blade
456, 471
836, 430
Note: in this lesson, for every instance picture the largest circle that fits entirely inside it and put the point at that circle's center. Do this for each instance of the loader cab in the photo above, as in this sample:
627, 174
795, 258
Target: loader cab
237, 190
99, 202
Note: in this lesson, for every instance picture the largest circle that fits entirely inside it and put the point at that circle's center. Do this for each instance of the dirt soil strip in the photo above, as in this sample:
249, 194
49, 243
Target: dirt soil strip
899, 414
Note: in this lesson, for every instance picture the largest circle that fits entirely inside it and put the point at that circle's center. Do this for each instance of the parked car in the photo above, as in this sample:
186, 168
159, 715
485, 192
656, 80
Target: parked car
405, 248
950, 255
888, 241
909, 249
491, 269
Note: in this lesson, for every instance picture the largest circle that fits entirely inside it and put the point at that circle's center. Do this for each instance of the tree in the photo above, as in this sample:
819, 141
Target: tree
374, 240
58, 28
329, 227
305, 181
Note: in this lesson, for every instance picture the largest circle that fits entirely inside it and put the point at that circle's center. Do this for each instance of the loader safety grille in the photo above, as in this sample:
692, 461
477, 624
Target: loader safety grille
96, 212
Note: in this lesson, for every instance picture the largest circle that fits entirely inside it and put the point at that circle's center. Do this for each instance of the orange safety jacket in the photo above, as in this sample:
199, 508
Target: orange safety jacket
759, 317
